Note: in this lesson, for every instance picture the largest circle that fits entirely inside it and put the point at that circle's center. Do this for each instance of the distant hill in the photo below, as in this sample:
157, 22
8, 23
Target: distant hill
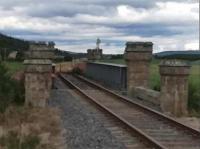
12, 44
186, 55
68, 55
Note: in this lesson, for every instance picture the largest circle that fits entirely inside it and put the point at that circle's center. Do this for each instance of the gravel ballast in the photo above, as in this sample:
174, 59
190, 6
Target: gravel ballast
83, 129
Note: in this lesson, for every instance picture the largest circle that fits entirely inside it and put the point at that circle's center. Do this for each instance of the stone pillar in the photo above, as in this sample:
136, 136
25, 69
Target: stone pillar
138, 56
38, 71
90, 54
174, 87
40, 51
37, 82
94, 54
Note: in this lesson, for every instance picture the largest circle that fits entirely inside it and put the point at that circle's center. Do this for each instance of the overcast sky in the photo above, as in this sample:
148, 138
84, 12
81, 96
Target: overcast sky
75, 24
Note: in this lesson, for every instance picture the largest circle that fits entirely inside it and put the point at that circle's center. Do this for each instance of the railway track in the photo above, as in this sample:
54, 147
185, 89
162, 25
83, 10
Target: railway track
153, 128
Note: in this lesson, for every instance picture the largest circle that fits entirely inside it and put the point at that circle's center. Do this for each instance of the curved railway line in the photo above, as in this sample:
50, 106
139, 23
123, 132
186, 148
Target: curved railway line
153, 128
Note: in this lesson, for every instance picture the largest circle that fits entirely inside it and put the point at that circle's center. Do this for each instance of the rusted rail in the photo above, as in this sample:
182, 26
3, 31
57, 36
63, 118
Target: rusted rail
155, 128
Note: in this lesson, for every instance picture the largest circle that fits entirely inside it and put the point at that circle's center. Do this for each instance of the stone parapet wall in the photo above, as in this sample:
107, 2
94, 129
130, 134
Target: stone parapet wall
64, 67
147, 95
70, 66
81, 66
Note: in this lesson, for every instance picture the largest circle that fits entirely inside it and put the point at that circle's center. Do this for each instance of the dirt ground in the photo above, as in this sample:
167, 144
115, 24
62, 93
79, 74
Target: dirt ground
44, 123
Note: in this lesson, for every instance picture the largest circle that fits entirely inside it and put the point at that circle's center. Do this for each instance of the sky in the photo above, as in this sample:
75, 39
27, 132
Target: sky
75, 25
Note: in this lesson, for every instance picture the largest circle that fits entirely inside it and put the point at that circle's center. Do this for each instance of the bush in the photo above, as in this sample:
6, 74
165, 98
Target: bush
194, 98
11, 91
154, 79
13, 141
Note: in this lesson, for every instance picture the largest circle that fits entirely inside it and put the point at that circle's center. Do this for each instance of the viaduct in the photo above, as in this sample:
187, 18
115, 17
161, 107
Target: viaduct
172, 98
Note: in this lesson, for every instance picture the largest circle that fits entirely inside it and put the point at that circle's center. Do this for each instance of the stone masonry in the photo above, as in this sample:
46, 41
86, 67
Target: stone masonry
138, 56
94, 54
40, 50
38, 80
174, 87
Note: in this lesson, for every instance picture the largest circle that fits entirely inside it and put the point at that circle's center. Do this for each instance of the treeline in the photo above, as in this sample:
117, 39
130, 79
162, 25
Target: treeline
9, 44
68, 56
113, 56
11, 91
185, 55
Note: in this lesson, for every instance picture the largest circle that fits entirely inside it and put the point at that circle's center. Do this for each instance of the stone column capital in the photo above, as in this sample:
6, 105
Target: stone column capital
139, 47
38, 66
138, 51
137, 56
174, 68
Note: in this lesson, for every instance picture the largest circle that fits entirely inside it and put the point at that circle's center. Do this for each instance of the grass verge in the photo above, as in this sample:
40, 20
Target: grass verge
13, 66
31, 128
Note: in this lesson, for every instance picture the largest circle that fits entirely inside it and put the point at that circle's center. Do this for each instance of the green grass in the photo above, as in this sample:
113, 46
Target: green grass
13, 66
154, 79
194, 82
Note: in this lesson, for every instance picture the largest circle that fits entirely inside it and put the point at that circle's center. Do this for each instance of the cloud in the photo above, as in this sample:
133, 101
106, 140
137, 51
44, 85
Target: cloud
192, 45
75, 24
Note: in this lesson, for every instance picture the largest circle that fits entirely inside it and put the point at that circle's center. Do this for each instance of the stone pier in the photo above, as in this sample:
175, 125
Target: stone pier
94, 54
138, 56
38, 68
174, 87
37, 82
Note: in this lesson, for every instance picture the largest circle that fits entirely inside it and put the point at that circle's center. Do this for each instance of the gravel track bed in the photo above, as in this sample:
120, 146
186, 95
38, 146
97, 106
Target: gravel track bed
83, 129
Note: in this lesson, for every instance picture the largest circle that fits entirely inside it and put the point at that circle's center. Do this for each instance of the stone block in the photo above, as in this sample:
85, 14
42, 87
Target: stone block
40, 50
37, 89
40, 46
138, 56
94, 54
40, 54
174, 87
147, 95
38, 82
38, 65
139, 46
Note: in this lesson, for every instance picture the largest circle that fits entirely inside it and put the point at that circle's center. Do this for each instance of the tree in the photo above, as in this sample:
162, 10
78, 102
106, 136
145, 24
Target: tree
11, 91
51, 44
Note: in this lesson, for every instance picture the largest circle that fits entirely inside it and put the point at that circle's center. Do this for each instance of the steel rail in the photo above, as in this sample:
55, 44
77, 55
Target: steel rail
156, 113
142, 135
